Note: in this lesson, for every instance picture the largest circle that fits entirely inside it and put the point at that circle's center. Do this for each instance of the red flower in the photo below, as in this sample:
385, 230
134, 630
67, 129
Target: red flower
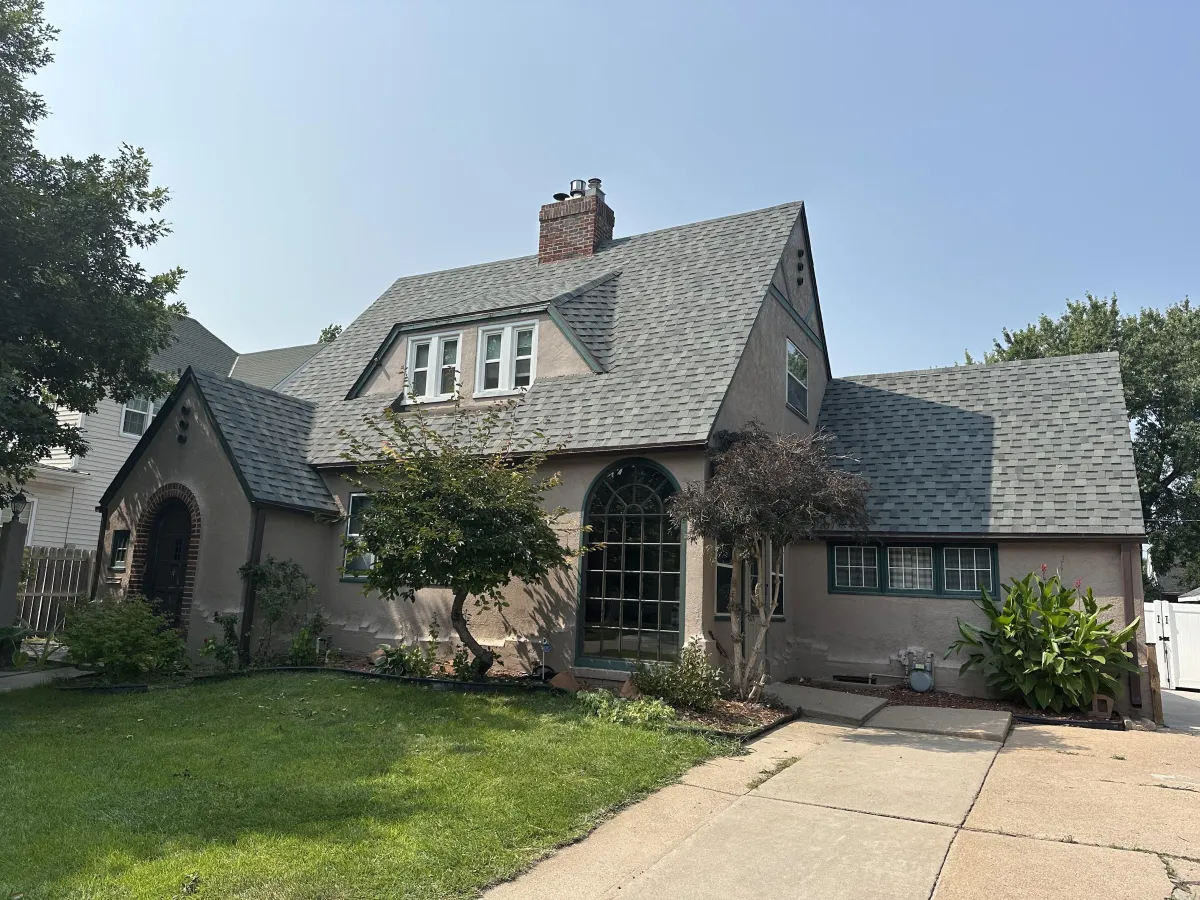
1044, 567
1078, 583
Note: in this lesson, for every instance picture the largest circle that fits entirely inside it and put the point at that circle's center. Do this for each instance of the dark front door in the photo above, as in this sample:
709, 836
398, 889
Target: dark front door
166, 567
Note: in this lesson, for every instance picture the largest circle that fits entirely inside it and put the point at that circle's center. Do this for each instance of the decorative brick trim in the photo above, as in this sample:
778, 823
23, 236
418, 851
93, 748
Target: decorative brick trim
141, 545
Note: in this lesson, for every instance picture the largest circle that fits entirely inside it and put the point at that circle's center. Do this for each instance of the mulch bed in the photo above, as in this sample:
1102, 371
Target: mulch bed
903, 695
734, 717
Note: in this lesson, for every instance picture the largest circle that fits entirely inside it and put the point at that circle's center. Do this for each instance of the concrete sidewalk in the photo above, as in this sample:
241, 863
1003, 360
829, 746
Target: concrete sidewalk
821, 812
16, 680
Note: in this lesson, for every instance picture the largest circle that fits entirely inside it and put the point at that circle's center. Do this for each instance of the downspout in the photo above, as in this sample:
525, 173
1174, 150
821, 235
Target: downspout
96, 566
1127, 563
252, 559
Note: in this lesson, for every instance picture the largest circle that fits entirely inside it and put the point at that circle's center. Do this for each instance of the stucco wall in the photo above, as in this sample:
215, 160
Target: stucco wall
361, 622
758, 390
200, 465
554, 355
827, 634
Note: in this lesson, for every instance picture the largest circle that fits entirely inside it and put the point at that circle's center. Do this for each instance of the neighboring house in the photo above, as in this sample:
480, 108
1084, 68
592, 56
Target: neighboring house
1174, 585
632, 353
65, 491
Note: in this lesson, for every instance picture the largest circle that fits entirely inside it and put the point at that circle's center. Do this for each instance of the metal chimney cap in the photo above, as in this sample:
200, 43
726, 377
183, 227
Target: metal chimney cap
560, 196
577, 187
593, 182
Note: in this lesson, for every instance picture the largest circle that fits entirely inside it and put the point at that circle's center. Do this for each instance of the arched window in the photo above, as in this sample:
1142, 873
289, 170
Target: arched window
632, 584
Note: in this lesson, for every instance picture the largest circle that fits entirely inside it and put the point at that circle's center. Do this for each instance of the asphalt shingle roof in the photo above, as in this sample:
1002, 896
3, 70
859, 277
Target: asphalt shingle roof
1038, 446
269, 368
266, 433
194, 346
669, 330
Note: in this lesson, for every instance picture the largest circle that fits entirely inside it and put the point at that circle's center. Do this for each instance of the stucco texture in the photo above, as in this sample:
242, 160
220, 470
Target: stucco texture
202, 467
553, 355
826, 634
360, 622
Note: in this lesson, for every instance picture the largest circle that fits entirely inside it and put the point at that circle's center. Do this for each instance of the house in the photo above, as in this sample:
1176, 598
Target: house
65, 491
632, 352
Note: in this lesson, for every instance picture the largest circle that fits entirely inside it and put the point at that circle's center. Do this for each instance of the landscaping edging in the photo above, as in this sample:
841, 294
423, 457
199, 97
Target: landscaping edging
742, 737
436, 684
1101, 724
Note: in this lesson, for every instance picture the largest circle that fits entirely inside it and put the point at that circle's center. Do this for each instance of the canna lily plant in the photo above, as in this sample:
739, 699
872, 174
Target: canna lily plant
1047, 644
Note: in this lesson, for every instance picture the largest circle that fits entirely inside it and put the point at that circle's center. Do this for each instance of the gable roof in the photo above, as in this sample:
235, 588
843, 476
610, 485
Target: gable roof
1038, 446
269, 368
664, 315
194, 345
263, 434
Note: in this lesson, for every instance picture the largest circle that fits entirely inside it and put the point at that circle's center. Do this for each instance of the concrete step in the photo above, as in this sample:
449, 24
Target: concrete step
830, 706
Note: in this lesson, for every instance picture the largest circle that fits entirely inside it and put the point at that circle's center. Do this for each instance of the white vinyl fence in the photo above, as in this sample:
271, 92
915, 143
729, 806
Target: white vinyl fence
56, 579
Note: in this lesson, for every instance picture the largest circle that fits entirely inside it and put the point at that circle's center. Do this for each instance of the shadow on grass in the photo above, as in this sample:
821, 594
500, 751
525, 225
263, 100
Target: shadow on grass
441, 791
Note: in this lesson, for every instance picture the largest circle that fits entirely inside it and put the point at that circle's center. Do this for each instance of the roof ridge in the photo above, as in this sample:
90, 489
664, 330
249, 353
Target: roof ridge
255, 387
614, 241
974, 367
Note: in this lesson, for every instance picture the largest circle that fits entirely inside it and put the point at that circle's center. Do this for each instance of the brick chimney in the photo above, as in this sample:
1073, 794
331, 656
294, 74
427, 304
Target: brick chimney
575, 224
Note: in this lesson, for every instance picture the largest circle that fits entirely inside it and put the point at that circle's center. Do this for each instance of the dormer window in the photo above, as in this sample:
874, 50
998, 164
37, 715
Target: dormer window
433, 366
506, 358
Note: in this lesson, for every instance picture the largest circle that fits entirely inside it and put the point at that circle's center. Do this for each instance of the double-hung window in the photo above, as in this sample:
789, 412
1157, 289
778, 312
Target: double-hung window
433, 366
136, 416
797, 380
356, 565
120, 551
506, 358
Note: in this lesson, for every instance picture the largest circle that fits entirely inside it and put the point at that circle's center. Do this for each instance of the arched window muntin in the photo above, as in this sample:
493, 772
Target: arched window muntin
632, 579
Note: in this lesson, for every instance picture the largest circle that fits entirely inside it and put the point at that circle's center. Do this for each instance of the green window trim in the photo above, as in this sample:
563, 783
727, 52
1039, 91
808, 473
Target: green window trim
939, 590
351, 511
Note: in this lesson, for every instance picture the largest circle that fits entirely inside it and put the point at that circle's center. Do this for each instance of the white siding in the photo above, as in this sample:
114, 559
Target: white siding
67, 515
59, 457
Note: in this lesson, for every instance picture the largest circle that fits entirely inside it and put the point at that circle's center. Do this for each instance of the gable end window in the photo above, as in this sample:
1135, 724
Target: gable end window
924, 570
136, 416
797, 380
356, 567
433, 367
506, 358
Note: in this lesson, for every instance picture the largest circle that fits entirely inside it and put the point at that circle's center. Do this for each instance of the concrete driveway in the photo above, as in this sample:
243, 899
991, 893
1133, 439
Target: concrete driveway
824, 811
1181, 711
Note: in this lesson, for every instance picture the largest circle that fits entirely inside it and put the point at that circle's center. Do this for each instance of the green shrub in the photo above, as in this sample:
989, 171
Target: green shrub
283, 593
607, 706
226, 652
410, 659
692, 683
303, 651
1046, 645
125, 638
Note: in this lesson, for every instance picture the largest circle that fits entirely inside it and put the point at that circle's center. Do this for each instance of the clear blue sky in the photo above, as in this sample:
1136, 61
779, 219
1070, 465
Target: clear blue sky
966, 165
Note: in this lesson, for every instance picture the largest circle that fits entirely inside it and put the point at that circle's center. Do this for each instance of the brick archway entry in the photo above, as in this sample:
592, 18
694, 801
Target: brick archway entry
144, 543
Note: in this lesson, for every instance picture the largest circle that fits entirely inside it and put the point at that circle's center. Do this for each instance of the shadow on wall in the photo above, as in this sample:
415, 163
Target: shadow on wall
550, 613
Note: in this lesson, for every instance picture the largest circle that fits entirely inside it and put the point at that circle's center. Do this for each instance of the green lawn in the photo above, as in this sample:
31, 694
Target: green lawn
304, 786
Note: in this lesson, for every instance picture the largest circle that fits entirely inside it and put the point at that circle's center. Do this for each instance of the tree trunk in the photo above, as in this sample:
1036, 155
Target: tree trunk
738, 679
483, 657
764, 605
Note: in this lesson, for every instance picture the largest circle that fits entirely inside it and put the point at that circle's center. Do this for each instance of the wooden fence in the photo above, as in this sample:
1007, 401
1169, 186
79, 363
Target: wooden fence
56, 579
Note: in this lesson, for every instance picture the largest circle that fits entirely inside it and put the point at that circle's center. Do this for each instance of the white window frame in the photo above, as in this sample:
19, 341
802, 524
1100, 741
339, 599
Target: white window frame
433, 378
148, 413
346, 557
788, 376
508, 358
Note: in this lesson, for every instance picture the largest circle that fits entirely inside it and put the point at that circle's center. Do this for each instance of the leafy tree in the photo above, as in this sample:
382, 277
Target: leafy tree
455, 501
329, 334
1160, 369
768, 491
81, 319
